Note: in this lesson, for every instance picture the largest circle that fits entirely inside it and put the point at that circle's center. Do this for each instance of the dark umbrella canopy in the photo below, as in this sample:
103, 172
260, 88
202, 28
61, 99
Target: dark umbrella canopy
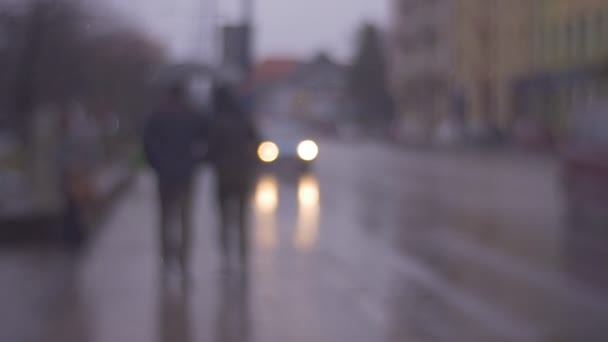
186, 72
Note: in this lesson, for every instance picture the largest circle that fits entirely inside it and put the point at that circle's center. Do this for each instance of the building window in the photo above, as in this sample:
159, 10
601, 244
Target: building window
580, 39
561, 44
571, 45
548, 46
603, 31
592, 33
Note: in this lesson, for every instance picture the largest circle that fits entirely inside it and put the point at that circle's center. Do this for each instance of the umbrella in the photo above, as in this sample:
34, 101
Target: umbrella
186, 72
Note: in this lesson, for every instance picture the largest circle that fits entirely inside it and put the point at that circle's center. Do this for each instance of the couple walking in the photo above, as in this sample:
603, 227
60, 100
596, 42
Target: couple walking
177, 140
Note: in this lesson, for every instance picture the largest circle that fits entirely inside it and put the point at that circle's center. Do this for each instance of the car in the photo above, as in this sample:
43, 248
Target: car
584, 156
287, 145
533, 133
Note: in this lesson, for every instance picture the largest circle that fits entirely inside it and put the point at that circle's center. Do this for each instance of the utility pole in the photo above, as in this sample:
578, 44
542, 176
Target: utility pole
248, 13
237, 42
216, 32
210, 32
248, 25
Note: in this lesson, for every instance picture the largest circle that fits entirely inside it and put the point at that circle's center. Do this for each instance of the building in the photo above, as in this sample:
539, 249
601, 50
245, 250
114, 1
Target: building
570, 33
312, 92
455, 64
421, 63
570, 51
273, 70
492, 51
267, 75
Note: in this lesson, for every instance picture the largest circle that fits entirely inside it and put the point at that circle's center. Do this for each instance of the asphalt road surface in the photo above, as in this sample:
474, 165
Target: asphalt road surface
375, 244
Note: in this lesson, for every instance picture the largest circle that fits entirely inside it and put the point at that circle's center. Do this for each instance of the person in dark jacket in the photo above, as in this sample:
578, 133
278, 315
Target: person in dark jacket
175, 143
233, 152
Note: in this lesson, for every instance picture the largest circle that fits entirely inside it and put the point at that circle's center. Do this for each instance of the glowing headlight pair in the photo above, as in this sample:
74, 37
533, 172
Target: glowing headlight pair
269, 152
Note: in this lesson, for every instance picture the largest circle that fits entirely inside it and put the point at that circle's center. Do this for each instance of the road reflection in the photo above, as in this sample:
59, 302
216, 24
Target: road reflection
266, 204
307, 231
72, 321
232, 318
174, 315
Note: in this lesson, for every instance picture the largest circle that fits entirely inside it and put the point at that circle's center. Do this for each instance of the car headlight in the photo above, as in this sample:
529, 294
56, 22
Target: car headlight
268, 152
308, 150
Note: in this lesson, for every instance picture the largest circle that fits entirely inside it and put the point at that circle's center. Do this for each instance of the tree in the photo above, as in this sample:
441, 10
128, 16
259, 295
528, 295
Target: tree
41, 58
53, 54
58, 57
117, 76
367, 81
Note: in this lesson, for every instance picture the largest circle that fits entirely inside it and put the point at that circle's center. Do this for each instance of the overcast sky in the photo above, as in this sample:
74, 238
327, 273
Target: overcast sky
284, 27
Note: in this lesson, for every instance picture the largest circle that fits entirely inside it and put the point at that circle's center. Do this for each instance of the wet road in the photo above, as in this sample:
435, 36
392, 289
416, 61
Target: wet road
374, 245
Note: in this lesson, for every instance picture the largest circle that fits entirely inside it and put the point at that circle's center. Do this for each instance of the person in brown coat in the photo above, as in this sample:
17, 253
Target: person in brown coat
233, 147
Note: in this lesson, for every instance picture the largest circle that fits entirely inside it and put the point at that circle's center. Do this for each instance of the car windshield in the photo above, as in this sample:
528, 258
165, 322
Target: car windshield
285, 132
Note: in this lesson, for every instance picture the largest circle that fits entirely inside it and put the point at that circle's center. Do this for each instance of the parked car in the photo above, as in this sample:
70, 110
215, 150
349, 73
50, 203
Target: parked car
585, 166
585, 174
287, 145
533, 133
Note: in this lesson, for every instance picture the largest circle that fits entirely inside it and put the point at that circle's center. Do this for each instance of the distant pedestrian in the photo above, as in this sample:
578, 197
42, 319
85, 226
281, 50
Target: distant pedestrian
233, 153
175, 139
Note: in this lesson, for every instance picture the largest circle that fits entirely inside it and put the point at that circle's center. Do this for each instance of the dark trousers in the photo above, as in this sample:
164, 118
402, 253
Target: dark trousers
175, 218
233, 200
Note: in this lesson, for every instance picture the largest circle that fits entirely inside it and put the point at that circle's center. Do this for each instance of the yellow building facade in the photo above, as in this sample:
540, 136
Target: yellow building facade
421, 64
570, 50
493, 48
480, 47
498, 60
570, 33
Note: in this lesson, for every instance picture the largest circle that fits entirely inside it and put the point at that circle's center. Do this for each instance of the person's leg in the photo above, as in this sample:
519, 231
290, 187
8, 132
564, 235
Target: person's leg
167, 208
224, 201
243, 212
225, 206
185, 203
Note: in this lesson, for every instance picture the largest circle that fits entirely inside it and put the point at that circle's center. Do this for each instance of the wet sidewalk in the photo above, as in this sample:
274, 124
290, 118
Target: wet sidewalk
373, 246
117, 293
